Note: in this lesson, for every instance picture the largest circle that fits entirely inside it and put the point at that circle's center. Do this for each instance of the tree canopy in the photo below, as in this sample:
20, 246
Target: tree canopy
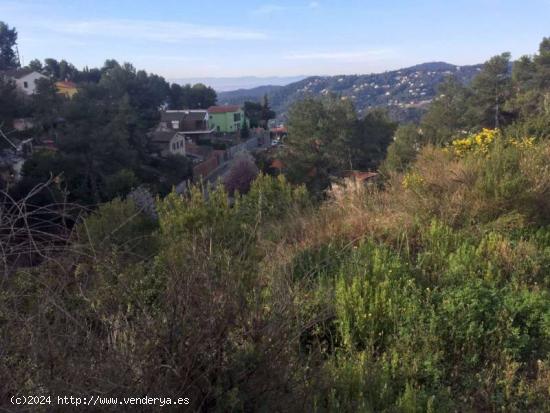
197, 96
8, 44
326, 138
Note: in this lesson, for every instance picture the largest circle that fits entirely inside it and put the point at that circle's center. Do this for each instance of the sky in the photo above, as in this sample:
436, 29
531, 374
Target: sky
179, 38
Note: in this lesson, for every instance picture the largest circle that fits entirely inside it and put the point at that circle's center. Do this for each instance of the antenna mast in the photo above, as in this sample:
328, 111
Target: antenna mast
19, 60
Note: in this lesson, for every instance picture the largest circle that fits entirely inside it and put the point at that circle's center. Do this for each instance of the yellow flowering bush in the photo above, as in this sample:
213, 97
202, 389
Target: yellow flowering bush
479, 143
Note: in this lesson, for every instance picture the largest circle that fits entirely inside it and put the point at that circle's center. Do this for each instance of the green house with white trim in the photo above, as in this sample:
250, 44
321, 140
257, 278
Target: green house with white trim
226, 119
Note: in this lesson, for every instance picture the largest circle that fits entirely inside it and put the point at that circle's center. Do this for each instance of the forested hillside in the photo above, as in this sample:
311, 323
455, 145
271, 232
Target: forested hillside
406, 93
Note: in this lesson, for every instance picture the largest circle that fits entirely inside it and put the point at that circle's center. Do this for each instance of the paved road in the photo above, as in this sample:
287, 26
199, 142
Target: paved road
219, 172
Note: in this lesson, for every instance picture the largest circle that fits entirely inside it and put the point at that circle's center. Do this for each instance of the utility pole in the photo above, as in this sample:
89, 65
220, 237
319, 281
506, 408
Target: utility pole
19, 62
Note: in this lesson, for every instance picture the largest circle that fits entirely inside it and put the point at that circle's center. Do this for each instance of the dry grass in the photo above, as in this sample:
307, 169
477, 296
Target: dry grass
464, 193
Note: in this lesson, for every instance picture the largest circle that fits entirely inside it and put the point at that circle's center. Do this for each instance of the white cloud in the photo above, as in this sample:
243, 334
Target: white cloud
160, 31
267, 9
348, 56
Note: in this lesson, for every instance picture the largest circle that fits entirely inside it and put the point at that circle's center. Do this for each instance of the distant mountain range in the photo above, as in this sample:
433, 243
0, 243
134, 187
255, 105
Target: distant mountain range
221, 84
406, 93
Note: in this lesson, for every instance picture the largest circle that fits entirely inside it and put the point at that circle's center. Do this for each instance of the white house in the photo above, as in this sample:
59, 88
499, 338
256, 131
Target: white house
178, 126
169, 143
25, 79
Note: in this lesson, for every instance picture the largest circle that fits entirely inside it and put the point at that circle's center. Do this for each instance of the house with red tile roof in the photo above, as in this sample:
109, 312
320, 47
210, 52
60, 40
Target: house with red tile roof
66, 88
227, 119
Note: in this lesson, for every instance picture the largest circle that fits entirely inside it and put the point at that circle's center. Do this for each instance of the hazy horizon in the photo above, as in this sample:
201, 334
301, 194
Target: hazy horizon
224, 84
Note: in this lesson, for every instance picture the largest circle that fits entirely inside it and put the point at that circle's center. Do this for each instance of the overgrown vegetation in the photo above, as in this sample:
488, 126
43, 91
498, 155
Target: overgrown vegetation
428, 295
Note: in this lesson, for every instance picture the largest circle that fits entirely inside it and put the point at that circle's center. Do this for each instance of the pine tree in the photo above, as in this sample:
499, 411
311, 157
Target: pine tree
8, 44
266, 112
492, 89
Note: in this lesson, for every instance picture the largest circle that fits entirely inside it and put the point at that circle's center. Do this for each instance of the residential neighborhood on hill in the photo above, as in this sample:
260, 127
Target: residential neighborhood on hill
406, 93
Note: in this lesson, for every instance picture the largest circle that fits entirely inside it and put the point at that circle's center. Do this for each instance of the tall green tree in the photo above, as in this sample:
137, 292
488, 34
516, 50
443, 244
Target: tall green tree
88, 75
36, 65
8, 103
51, 68
8, 44
374, 133
202, 97
327, 138
403, 150
253, 112
450, 113
266, 112
175, 97
145, 92
542, 65
67, 71
46, 104
317, 144
531, 99
197, 96
492, 90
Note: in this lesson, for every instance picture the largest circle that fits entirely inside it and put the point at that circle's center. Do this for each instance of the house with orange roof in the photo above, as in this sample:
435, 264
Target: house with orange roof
66, 88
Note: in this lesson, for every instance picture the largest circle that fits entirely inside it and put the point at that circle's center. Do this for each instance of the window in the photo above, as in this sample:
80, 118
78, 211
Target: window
236, 117
25, 85
175, 124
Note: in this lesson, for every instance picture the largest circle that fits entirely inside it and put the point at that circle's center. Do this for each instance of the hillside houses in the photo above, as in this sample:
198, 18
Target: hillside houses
178, 126
403, 92
25, 79
209, 138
